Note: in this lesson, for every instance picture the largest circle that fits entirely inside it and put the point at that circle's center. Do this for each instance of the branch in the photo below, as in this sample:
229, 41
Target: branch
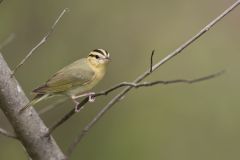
144, 75
7, 134
124, 84
41, 42
29, 127
148, 84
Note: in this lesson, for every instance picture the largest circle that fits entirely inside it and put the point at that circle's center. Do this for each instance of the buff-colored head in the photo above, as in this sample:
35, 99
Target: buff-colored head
99, 57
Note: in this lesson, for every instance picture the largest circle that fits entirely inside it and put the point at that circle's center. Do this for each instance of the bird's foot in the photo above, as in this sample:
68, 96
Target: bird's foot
91, 97
77, 109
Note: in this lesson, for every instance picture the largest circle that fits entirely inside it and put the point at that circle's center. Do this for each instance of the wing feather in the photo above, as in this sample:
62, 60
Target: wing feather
76, 74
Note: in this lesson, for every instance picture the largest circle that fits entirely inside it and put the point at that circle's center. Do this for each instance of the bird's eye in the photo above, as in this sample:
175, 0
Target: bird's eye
97, 56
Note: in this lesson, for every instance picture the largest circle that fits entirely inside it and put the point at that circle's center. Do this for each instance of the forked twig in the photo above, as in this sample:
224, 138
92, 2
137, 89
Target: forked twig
148, 84
124, 84
144, 75
41, 42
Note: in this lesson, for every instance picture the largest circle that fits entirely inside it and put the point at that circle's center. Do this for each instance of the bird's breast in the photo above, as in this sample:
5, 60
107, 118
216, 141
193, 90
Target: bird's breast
99, 74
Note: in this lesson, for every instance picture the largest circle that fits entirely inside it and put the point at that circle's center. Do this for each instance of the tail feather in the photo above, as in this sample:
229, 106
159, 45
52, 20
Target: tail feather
36, 99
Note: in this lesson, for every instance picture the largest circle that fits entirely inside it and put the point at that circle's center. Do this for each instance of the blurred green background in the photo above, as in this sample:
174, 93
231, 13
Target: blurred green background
173, 122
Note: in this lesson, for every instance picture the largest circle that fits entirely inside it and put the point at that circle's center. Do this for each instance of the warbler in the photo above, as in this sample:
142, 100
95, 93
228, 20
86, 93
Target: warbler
74, 80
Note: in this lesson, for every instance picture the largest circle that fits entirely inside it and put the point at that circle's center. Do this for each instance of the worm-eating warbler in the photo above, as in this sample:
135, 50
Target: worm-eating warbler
74, 80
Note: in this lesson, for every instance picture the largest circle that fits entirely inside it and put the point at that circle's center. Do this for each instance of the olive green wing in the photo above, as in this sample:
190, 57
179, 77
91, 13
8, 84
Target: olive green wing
76, 74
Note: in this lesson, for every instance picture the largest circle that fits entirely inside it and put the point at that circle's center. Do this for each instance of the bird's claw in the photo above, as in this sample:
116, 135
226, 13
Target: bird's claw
91, 98
77, 109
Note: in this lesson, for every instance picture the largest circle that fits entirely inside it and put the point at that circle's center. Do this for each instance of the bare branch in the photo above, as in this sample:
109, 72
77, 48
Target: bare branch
124, 84
144, 75
134, 85
7, 134
148, 84
41, 42
28, 126
7, 41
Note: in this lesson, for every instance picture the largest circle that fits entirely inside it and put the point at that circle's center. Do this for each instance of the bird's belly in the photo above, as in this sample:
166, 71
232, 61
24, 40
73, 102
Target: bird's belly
81, 89
76, 91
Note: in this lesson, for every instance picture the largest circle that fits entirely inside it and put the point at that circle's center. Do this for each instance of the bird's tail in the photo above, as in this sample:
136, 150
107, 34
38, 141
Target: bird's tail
36, 99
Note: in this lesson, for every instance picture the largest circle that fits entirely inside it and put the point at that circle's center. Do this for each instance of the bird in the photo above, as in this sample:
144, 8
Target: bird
74, 80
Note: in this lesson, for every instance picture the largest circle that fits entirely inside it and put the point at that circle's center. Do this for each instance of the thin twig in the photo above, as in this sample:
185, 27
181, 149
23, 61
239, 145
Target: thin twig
41, 42
124, 84
7, 134
148, 84
151, 63
7, 41
144, 75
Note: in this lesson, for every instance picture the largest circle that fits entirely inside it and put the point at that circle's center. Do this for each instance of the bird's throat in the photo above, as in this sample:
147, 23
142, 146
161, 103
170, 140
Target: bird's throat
99, 68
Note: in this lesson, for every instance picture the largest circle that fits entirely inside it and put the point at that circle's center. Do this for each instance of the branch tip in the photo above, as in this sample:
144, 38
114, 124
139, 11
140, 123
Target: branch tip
151, 62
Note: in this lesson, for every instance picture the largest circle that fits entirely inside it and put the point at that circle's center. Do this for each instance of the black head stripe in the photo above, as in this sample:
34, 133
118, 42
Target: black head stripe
107, 54
99, 51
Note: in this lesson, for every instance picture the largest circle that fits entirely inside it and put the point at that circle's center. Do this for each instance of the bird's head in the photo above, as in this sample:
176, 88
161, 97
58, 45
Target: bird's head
99, 57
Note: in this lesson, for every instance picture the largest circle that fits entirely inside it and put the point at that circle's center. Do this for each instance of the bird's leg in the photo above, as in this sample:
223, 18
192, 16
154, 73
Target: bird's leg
91, 98
90, 95
76, 104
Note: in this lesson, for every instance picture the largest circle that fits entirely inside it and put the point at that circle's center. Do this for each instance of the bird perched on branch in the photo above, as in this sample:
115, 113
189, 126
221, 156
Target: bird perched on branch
74, 80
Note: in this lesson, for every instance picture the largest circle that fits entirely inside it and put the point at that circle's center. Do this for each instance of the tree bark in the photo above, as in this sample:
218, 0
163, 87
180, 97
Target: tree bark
28, 126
